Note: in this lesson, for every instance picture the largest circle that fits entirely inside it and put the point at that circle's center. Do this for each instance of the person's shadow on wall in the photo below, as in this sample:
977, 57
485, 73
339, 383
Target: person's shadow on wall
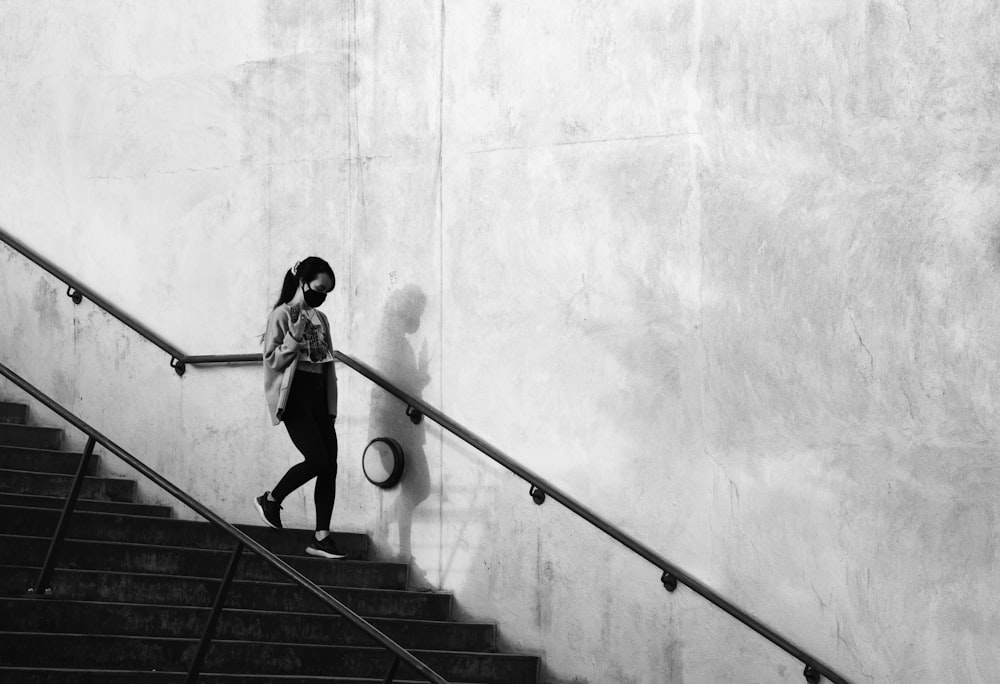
396, 359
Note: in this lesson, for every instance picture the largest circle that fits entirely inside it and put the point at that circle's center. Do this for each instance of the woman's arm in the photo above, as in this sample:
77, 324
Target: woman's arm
330, 370
280, 346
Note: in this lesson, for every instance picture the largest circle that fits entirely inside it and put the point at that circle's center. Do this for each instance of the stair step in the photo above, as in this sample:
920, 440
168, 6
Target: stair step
130, 587
129, 619
30, 436
13, 414
74, 650
77, 676
48, 484
118, 527
208, 563
44, 460
57, 503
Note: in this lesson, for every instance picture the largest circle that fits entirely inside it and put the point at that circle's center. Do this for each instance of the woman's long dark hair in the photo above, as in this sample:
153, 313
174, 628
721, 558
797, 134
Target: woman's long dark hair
305, 271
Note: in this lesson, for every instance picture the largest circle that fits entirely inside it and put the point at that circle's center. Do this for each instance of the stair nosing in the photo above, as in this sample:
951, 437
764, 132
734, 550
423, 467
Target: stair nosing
445, 594
224, 552
193, 639
250, 611
51, 451
36, 427
208, 673
69, 475
50, 497
172, 521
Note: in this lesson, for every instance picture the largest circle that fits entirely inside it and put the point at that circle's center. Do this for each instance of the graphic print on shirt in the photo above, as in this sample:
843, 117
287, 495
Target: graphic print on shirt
314, 347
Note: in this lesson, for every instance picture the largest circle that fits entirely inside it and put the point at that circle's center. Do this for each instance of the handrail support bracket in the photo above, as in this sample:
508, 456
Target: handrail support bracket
74, 294
811, 674
669, 581
178, 365
537, 495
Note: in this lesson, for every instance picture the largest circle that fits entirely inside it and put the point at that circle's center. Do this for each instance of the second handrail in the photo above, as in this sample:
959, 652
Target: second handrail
540, 488
240, 536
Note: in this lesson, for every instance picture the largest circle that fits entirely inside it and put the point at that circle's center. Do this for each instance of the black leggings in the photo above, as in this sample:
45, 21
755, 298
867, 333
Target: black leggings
311, 429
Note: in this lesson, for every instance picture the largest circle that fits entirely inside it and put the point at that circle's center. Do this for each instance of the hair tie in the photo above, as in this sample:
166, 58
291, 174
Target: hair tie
295, 268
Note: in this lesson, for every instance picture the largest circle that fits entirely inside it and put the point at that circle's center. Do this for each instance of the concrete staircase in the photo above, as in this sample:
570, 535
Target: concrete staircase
133, 587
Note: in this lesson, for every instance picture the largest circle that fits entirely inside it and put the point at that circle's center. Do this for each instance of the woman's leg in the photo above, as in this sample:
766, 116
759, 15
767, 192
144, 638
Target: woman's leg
299, 420
325, 492
313, 434
306, 437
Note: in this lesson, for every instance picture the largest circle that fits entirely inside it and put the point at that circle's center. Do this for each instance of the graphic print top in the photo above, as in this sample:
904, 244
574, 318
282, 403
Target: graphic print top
314, 348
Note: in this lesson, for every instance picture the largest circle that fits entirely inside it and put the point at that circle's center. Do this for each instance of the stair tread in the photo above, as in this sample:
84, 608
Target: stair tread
34, 428
61, 616
248, 553
195, 534
41, 450
58, 484
166, 675
88, 554
256, 583
42, 502
249, 642
51, 461
182, 522
16, 471
246, 611
173, 590
17, 434
257, 657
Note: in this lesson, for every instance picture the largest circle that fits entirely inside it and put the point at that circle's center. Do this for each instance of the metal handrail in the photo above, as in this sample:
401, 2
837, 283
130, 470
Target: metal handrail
540, 487
77, 291
239, 536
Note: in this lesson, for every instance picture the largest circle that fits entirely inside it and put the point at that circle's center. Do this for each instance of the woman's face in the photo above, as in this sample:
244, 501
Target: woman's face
313, 292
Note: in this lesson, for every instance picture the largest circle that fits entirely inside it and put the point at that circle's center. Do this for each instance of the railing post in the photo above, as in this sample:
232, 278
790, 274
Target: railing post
213, 618
390, 676
42, 587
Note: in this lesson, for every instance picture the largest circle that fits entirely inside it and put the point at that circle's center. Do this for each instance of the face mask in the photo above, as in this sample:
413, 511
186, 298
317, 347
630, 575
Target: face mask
313, 298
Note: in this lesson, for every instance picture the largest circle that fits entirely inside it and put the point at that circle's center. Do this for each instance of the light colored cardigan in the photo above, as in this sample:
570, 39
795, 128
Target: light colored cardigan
281, 358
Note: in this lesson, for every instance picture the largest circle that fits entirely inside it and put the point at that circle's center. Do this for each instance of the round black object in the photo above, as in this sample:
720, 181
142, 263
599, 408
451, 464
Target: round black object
383, 462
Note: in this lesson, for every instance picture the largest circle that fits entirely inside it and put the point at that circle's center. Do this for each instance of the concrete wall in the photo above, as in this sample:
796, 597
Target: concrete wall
724, 271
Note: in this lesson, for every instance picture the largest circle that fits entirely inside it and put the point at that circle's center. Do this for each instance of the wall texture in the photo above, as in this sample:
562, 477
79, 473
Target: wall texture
725, 271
